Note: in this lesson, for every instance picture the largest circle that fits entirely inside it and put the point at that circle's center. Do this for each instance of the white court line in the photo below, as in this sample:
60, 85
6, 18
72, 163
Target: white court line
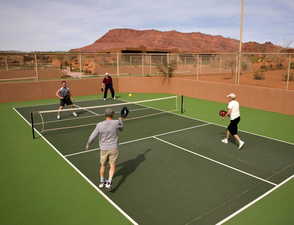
53, 104
88, 110
254, 201
84, 117
181, 115
215, 161
248, 132
79, 172
216, 124
140, 139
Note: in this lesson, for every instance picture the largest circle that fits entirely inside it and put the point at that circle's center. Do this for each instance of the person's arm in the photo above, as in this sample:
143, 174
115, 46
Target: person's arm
92, 137
229, 112
103, 84
230, 107
58, 95
120, 125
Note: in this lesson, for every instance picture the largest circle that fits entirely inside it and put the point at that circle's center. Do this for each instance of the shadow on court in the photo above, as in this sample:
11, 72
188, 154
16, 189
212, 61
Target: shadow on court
126, 168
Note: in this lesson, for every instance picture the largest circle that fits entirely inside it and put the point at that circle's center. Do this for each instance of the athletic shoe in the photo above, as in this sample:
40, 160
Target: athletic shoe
58, 117
225, 141
75, 114
114, 98
241, 144
108, 186
104, 99
101, 185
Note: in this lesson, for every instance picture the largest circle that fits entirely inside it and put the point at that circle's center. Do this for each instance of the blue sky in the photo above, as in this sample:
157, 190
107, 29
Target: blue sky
38, 25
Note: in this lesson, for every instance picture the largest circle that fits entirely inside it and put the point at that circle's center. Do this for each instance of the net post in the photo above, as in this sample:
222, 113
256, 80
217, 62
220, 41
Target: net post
182, 104
32, 124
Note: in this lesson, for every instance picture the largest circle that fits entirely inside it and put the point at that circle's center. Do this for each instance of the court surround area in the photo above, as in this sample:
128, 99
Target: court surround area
172, 169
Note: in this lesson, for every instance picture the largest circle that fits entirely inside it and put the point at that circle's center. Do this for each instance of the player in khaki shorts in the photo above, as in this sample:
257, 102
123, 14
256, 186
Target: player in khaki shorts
107, 131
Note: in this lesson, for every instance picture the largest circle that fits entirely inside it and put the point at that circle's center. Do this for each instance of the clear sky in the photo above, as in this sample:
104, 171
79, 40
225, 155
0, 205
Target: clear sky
49, 25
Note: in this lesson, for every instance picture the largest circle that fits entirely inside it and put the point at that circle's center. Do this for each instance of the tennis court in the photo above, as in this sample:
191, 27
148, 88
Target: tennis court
172, 169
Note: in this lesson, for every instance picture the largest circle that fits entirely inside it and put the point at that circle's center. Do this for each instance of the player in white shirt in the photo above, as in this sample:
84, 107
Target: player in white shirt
234, 114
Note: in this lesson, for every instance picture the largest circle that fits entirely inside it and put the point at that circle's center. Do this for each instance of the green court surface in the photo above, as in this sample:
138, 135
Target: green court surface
172, 168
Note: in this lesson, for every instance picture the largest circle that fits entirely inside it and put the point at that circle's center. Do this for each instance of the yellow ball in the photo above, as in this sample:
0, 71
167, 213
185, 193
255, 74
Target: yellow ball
130, 94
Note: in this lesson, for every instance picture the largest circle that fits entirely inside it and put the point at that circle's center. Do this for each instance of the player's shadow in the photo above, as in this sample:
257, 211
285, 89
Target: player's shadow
128, 167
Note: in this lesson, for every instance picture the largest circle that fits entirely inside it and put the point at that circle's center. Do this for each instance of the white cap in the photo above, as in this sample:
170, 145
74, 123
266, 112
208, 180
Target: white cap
231, 95
106, 74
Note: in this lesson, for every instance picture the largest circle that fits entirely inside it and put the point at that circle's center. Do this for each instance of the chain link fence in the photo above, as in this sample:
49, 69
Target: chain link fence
273, 70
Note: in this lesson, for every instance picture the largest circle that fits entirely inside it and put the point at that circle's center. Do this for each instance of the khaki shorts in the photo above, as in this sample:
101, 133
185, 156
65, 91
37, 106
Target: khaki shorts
108, 155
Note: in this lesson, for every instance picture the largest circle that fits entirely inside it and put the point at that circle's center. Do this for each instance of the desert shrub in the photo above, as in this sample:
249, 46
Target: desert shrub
263, 68
168, 68
244, 66
258, 75
285, 76
279, 66
65, 76
254, 59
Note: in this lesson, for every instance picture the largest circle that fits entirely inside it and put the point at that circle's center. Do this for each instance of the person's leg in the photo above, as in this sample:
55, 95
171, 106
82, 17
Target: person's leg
235, 133
111, 172
112, 92
226, 139
58, 113
105, 91
71, 105
103, 159
101, 172
113, 156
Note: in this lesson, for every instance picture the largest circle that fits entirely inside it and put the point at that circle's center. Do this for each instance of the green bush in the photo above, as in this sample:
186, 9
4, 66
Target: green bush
168, 69
263, 68
279, 66
291, 76
258, 75
244, 66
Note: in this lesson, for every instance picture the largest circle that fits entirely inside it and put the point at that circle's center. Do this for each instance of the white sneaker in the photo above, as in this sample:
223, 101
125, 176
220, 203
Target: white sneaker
108, 186
241, 144
114, 98
58, 117
225, 141
104, 99
75, 114
101, 185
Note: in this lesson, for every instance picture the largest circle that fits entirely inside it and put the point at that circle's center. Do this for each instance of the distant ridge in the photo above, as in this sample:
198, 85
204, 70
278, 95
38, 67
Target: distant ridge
123, 40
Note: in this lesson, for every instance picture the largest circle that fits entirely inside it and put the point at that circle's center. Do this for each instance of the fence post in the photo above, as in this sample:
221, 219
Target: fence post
117, 64
236, 69
143, 64
80, 62
36, 67
288, 73
198, 67
150, 64
6, 63
220, 63
239, 67
117, 71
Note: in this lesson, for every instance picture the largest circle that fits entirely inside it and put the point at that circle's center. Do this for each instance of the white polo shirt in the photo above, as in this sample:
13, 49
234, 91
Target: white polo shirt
234, 106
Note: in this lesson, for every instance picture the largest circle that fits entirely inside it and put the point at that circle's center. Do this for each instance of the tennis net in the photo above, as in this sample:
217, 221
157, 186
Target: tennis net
46, 120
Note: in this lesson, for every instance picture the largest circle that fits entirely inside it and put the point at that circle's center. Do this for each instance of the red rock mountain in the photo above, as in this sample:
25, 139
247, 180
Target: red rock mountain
118, 40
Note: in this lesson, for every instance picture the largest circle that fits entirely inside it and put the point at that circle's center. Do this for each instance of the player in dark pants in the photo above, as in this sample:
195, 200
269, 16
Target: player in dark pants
64, 95
234, 114
107, 84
